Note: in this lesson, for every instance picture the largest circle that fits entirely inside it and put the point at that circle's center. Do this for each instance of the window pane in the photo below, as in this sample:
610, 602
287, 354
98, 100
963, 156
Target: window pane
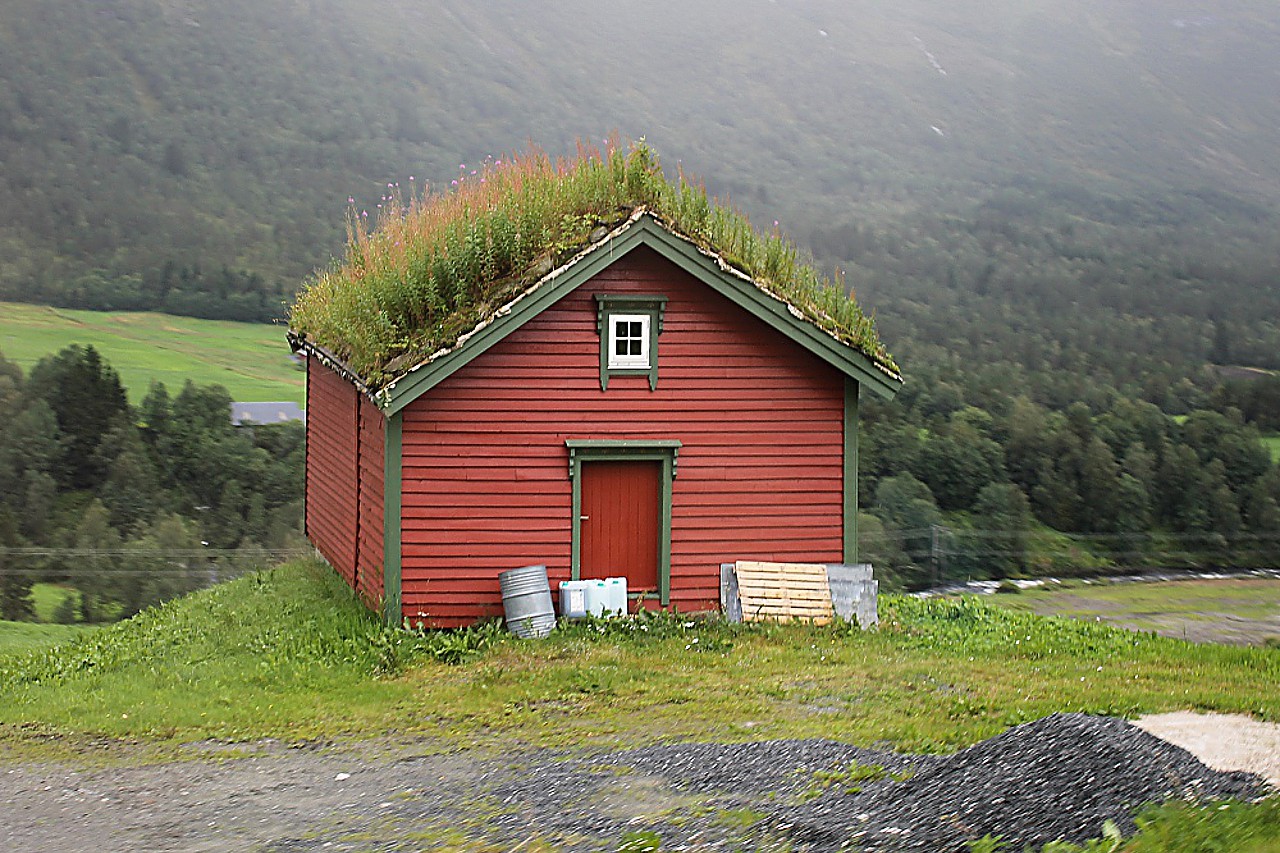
620, 328
635, 347
620, 347
635, 329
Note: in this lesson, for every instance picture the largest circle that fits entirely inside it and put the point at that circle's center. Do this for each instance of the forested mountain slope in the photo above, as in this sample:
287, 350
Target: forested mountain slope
149, 144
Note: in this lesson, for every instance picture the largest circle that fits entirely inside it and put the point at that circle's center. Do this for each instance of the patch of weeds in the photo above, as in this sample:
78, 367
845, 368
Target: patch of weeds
649, 625
987, 844
1177, 827
850, 779
453, 646
604, 769
643, 841
742, 818
450, 839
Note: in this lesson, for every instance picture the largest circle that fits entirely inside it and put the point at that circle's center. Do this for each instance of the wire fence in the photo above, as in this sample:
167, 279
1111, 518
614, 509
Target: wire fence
88, 562
105, 584
110, 582
939, 555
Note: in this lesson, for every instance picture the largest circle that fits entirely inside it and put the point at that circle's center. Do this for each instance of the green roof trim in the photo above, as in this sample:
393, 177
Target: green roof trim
449, 274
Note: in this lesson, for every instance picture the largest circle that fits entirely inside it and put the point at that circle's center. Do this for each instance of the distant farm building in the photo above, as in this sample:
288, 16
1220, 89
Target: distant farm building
257, 414
643, 409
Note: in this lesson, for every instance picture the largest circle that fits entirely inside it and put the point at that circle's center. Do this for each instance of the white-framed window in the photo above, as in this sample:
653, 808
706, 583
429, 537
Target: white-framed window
629, 341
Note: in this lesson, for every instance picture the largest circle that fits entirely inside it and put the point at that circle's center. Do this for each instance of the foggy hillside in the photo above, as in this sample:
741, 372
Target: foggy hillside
202, 134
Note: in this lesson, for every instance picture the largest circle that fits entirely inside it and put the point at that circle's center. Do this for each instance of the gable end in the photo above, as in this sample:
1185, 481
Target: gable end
643, 229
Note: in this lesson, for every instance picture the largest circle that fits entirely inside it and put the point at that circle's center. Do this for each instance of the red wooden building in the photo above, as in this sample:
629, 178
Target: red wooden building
644, 410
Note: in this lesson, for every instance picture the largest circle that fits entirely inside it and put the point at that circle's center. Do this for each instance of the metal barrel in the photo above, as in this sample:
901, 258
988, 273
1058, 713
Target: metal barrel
526, 601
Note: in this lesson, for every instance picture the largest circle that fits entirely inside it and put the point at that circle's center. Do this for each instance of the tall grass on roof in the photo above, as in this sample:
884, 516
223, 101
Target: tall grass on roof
437, 265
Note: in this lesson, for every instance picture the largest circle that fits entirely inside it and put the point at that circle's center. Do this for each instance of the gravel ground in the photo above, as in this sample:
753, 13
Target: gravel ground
1059, 777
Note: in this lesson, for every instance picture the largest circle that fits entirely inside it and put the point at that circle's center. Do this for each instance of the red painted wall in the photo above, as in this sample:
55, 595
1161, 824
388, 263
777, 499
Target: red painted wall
332, 481
345, 438
486, 485
369, 543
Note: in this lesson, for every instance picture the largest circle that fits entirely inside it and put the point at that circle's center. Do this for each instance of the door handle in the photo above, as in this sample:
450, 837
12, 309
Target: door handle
583, 517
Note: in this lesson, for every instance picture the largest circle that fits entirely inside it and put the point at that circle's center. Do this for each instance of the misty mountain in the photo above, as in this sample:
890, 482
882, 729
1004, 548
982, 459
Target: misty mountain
199, 155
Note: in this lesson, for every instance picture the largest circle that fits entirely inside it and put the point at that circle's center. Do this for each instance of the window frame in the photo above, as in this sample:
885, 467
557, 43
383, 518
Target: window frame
640, 361
645, 307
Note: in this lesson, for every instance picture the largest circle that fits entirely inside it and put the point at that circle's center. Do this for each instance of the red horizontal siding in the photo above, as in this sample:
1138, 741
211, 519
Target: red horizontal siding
486, 485
332, 485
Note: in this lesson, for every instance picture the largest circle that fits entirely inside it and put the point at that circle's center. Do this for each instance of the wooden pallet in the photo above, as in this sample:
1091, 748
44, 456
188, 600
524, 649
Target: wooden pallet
784, 592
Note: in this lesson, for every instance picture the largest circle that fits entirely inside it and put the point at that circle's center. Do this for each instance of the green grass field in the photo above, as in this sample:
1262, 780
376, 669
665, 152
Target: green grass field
250, 359
48, 596
17, 638
1244, 611
1273, 444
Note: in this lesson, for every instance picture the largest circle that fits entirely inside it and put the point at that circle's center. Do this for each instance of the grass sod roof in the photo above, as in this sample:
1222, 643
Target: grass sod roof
439, 266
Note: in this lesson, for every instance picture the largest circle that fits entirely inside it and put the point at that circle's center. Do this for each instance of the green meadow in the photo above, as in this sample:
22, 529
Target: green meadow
21, 637
251, 360
289, 653
1241, 611
1272, 443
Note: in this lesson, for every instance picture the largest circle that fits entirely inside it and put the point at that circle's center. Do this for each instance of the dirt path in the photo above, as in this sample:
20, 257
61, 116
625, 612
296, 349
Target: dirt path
279, 799
1222, 741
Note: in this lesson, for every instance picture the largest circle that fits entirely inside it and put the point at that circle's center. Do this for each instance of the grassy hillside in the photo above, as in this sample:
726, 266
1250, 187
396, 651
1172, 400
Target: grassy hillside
250, 359
288, 653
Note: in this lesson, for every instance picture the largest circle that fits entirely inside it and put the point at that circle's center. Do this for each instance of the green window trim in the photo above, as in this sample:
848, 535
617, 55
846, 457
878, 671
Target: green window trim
665, 451
607, 305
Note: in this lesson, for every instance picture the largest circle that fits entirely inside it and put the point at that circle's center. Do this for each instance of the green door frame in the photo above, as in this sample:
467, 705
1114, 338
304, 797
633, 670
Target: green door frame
850, 472
665, 451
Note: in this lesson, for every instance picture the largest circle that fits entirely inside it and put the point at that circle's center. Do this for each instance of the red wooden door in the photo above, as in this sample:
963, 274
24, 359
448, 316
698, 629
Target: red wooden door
619, 523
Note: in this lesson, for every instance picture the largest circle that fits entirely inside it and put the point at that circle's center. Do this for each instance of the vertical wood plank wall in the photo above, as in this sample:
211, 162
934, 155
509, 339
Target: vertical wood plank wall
369, 552
486, 485
345, 435
332, 440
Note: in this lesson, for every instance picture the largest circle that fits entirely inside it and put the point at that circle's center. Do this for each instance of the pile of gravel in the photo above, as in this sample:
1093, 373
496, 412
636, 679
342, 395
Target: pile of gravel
777, 768
1059, 777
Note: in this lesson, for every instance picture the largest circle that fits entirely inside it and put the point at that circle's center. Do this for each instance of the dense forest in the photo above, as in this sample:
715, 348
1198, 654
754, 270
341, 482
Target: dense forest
1065, 217
127, 505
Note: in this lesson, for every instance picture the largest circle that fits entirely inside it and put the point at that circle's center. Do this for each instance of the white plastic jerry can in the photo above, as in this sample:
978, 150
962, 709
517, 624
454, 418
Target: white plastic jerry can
573, 598
615, 596
597, 597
